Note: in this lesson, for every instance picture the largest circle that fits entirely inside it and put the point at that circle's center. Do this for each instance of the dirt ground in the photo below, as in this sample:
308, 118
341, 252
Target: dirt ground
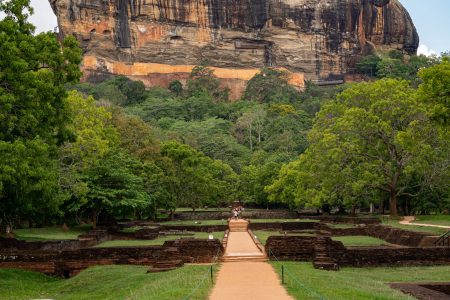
245, 280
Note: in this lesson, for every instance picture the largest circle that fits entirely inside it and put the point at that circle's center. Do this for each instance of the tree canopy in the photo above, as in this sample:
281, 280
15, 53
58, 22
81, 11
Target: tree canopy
33, 112
71, 151
371, 141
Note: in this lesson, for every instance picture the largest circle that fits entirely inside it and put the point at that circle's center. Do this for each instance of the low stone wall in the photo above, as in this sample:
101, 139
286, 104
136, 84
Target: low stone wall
388, 256
269, 214
401, 237
194, 228
37, 261
286, 226
247, 214
256, 241
300, 248
389, 234
14, 244
344, 219
357, 230
71, 262
141, 234
296, 248
68, 263
265, 226
197, 250
202, 215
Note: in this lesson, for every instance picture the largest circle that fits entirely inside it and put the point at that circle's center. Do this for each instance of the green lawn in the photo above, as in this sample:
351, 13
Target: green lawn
341, 225
108, 282
360, 240
443, 220
136, 228
281, 220
302, 281
159, 241
263, 235
197, 223
50, 233
188, 209
430, 230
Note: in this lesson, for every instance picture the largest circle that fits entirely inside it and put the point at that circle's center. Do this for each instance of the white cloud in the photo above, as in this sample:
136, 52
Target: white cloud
44, 19
423, 49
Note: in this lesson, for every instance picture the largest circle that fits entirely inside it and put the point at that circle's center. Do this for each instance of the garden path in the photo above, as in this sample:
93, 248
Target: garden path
408, 220
245, 274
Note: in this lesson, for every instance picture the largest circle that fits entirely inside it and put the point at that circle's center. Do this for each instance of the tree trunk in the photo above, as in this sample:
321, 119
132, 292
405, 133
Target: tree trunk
250, 138
95, 218
407, 212
353, 210
393, 204
381, 208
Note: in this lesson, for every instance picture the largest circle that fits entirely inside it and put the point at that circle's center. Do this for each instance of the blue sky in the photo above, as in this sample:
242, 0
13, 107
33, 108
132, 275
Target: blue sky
431, 17
432, 20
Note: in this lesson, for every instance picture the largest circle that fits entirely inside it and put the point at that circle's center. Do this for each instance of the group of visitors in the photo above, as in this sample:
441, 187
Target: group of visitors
237, 211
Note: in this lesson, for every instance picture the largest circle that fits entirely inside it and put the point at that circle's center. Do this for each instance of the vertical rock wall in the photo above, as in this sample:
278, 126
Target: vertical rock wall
322, 39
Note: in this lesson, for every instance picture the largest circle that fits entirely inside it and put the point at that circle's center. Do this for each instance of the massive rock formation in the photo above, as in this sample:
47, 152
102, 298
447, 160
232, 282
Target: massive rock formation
160, 40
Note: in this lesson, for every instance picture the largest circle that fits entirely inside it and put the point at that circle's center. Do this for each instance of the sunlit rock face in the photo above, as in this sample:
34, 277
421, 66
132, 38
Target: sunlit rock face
322, 39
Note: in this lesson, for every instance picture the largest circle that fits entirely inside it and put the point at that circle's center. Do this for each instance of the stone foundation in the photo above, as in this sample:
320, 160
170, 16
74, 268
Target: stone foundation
295, 248
300, 248
68, 263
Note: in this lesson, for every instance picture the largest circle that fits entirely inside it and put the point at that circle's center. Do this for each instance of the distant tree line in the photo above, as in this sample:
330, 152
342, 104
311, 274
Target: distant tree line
71, 151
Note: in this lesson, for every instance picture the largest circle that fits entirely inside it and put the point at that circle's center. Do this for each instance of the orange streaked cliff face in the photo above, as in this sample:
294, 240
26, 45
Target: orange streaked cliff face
158, 41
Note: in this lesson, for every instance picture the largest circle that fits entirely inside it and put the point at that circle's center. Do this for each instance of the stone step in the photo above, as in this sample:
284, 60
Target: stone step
260, 258
169, 263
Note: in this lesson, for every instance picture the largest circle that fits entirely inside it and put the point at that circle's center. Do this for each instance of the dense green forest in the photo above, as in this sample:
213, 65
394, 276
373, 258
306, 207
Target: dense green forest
70, 151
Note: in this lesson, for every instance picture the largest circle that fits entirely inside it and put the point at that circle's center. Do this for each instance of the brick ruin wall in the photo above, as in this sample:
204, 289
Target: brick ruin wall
301, 248
70, 262
293, 248
272, 214
221, 215
388, 256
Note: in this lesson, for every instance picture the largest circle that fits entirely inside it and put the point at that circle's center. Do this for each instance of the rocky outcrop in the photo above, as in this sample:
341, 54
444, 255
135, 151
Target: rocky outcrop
160, 40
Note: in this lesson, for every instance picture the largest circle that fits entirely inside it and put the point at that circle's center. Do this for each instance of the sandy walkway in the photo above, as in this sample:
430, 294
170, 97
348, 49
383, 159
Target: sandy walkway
240, 243
408, 220
248, 281
245, 280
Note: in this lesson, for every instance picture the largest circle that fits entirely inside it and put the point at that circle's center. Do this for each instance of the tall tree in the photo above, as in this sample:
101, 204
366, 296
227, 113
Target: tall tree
253, 121
95, 137
372, 138
435, 89
33, 112
115, 184
34, 70
271, 85
196, 180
